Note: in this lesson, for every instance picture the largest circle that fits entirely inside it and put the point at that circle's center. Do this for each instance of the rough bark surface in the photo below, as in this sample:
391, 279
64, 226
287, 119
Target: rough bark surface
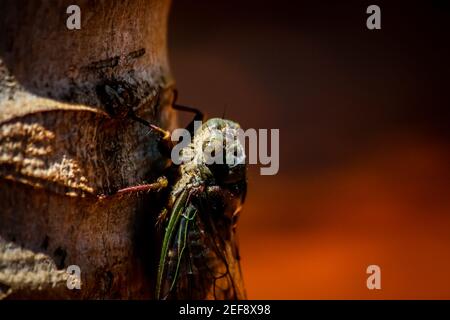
64, 143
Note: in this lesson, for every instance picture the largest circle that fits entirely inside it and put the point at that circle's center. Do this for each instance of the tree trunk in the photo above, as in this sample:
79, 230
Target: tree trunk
64, 141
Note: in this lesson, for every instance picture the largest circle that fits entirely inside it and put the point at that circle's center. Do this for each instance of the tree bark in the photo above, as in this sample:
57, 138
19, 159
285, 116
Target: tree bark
64, 142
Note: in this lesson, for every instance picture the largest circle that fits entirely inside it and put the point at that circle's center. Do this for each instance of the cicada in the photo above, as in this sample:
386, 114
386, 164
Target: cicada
199, 256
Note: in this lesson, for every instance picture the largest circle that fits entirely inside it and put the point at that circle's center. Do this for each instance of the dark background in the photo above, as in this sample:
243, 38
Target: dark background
363, 117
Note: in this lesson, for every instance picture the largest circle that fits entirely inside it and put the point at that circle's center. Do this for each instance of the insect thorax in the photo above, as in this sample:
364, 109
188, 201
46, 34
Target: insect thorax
216, 155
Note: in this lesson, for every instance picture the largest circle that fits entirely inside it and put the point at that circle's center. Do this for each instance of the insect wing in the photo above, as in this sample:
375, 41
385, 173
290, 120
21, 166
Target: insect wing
196, 261
222, 261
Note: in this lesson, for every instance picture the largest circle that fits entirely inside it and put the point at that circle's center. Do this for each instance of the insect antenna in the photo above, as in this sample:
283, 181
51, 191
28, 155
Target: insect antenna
198, 115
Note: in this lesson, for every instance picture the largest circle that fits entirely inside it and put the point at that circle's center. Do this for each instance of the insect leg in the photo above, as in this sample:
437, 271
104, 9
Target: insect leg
198, 115
165, 135
166, 145
161, 183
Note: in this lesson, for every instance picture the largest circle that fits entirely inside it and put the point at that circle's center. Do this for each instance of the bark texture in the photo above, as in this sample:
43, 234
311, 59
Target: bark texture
64, 142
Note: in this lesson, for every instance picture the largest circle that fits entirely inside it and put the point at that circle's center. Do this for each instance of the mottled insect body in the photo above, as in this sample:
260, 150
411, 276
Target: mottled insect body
217, 137
199, 256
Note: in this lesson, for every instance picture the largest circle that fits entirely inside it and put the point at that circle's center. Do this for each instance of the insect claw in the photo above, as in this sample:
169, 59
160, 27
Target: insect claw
165, 134
163, 182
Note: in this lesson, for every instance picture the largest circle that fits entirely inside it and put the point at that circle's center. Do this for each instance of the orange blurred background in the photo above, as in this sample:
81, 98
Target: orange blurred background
364, 158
